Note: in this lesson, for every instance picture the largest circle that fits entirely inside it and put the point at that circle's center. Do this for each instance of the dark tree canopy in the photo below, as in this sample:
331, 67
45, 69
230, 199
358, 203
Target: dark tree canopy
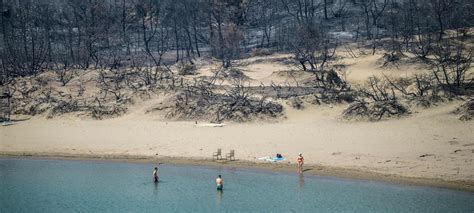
63, 34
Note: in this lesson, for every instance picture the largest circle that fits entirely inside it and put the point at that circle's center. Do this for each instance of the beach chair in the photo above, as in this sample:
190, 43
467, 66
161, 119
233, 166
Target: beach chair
230, 155
218, 154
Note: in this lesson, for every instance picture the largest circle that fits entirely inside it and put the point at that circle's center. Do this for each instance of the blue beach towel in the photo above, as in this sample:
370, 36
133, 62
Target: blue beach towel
271, 159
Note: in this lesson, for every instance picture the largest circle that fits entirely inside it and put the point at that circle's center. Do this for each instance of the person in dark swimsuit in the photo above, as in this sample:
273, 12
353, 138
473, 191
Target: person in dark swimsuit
155, 175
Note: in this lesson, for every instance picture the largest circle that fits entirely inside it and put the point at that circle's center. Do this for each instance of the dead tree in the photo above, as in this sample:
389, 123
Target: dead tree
422, 85
451, 67
112, 80
377, 100
64, 73
312, 45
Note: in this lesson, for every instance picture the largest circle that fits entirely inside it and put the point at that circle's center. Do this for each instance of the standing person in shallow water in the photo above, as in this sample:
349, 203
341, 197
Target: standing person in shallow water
219, 183
300, 161
155, 175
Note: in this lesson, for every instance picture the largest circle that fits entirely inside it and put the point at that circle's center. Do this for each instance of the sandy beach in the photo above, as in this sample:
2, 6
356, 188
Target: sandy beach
430, 147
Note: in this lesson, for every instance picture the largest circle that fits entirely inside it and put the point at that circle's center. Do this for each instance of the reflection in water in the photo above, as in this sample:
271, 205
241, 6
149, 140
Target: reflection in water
219, 197
156, 188
301, 180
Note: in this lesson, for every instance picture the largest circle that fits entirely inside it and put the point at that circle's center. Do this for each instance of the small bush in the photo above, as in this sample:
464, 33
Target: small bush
187, 69
296, 103
100, 112
347, 97
333, 97
392, 57
63, 107
425, 101
466, 110
375, 111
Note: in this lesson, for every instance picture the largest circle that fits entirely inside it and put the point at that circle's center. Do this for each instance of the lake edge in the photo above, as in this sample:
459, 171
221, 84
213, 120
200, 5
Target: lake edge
317, 170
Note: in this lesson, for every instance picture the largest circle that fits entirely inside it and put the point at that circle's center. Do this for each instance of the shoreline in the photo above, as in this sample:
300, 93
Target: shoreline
310, 169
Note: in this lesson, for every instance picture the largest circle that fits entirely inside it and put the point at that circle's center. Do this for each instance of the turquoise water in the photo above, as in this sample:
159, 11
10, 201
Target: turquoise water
89, 186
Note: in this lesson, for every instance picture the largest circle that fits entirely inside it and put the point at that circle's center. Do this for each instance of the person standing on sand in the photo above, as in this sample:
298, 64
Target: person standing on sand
219, 183
155, 175
300, 161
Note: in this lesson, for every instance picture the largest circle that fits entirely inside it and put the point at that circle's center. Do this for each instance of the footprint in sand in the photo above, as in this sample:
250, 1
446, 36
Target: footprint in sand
469, 144
463, 150
453, 142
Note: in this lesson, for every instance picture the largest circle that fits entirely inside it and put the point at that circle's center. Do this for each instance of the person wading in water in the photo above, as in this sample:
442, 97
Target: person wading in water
155, 175
219, 183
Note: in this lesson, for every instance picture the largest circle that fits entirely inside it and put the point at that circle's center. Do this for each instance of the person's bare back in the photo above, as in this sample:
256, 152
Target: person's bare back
219, 183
